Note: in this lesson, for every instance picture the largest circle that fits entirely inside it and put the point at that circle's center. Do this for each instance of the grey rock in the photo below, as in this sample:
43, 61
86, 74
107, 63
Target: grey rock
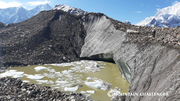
24, 85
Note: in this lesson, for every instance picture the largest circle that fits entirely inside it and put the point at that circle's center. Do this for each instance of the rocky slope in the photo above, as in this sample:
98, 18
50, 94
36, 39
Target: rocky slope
49, 37
149, 62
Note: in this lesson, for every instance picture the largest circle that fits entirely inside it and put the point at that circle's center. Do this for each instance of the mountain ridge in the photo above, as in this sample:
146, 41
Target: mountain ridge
69, 9
18, 14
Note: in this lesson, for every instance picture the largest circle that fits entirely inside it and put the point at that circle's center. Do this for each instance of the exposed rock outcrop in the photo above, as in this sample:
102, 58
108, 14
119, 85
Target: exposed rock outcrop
70, 10
2, 25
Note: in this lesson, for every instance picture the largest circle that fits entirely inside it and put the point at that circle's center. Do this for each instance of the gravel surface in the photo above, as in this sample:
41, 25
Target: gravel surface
12, 89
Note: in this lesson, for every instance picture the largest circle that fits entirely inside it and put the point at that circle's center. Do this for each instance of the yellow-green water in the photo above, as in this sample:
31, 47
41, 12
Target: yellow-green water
108, 74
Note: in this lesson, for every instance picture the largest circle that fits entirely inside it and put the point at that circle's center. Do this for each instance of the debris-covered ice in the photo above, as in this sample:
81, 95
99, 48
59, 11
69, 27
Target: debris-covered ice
45, 81
38, 68
95, 84
42, 81
26, 81
34, 77
53, 75
82, 92
71, 89
62, 64
67, 71
88, 78
113, 92
12, 73
90, 91
98, 84
61, 82
18, 75
86, 66
8, 73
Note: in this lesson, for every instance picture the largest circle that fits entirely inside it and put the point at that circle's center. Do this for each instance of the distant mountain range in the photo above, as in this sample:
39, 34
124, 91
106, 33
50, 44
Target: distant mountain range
18, 14
166, 17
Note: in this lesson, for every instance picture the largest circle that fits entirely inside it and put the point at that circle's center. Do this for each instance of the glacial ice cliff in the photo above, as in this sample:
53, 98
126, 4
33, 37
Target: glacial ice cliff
101, 38
148, 66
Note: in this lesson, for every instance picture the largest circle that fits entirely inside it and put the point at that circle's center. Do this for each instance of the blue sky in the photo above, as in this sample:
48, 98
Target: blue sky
122, 10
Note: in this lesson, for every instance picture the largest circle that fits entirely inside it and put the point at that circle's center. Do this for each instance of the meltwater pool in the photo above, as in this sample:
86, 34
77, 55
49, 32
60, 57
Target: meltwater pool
99, 80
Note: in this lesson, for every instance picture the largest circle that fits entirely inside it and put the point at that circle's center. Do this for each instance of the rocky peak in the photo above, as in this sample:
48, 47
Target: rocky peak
69, 9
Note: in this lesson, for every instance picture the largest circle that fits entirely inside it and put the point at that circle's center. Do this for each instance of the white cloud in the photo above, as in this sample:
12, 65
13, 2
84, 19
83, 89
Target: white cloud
157, 6
9, 4
142, 4
158, 9
35, 3
138, 12
175, 2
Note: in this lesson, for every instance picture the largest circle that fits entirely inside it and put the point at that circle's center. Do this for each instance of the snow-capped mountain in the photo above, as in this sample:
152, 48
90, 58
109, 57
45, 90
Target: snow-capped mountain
69, 9
166, 17
40, 8
18, 14
127, 22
